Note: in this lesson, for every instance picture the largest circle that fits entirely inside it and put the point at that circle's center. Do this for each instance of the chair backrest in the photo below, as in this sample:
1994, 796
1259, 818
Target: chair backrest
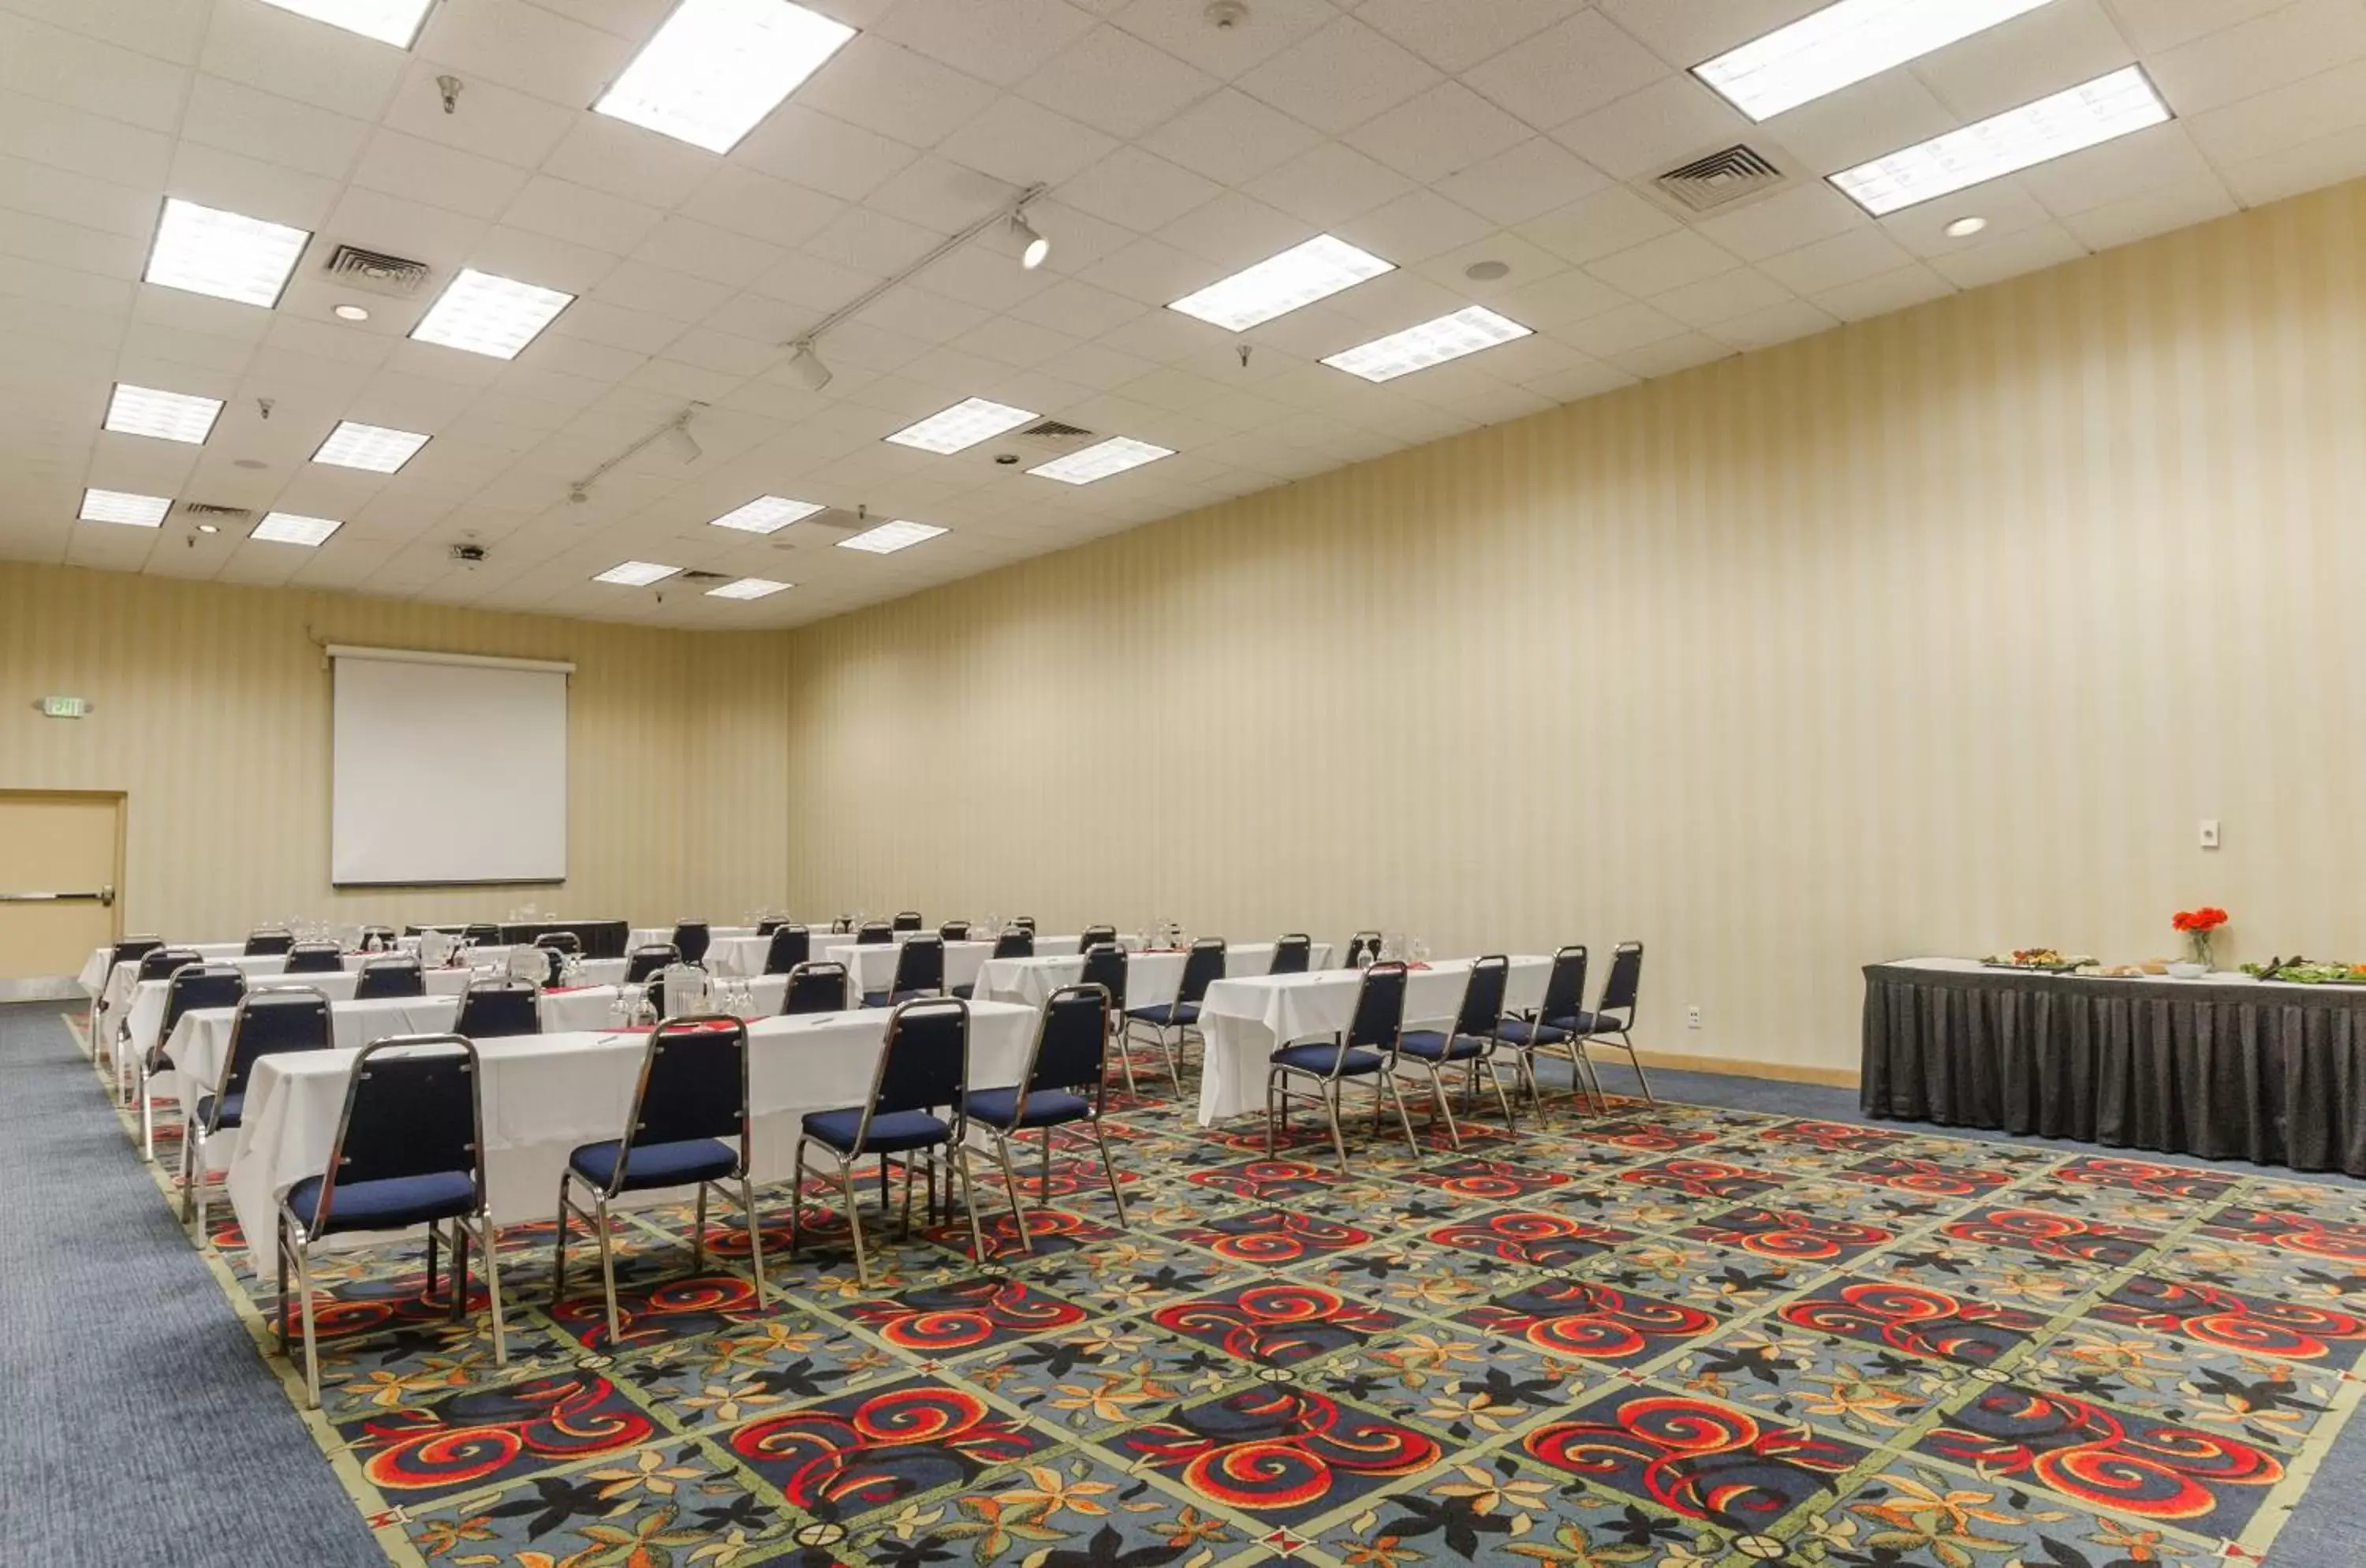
484, 933
925, 1063
694, 1085
815, 987
1093, 935
791, 945
560, 941
1565, 986
385, 978
266, 941
645, 961
1104, 967
909, 920
1024, 922
691, 938
1071, 1042
870, 933
488, 1013
315, 958
1626, 978
841, 925
293, 1018
954, 930
200, 986
1363, 948
767, 924
158, 962
411, 1110
1202, 967
1293, 954
378, 938
131, 949
920, 965
1379, 1019
1482, 996
1015, 943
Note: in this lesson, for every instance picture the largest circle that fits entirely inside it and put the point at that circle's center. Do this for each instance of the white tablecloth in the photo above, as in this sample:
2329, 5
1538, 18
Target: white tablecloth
1246, 1020
873, 967
1061, 946
1152, 979
546, 1096
94, 975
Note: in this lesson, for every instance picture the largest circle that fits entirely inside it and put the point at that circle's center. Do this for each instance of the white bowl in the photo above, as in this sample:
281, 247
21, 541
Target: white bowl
2186, 971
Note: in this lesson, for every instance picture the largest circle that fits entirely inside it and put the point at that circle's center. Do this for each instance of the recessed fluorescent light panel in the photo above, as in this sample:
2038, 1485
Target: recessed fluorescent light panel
1843, 44
2093, 112
485, 314
749, 587
371, 446
766, 515
290, 528
1467, 330
206, 251
965, 424
120, 506
388, 21
718, 66
635, 573
1114, 455
889, 537
1279, 285
168, 416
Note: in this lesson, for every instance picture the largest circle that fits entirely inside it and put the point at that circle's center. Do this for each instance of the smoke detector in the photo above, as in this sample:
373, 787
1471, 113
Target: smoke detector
1225, 15
468, 555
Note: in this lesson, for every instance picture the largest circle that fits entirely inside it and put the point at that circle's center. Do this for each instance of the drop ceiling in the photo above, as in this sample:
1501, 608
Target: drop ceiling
1435, 134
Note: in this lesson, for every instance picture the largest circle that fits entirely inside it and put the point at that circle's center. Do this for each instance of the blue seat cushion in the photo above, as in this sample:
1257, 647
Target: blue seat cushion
231, 1105
1166, 1015
656, 1165
1316, 1058
895, 1131
394, 1203
1431, 1045
966, 993
1519, 1032
1045, 1108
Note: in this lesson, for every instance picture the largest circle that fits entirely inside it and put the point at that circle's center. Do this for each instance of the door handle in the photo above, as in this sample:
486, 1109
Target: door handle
105, 896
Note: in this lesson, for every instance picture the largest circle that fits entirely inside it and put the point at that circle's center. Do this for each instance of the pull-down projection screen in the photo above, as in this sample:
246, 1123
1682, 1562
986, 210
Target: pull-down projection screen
447, 769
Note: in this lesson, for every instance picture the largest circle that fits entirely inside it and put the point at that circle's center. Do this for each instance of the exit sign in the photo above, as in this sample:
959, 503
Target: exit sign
65, 707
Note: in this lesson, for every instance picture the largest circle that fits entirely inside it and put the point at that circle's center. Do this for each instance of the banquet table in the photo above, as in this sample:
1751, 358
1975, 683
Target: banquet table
2225, 1066
545, 1095
600, 939
1246, 1020
1152, 976
871, 967
97, 970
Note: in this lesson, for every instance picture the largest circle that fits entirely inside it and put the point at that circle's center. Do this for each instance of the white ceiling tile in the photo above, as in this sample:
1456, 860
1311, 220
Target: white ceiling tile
2158, 26
525, 47
580, 215
1339, 77
869, 242
1163, 336
986, 274
2006, 204
1137, 190
499, 122
118, 257
704, 251
1433, 134
1671, 354
630, 161
1527, 263
1808, 211
1329, 183
52, 192
1151, 272
760, 206
388, 224
69, 286
1582, 64
2164, 155
638, 287
171, 29
1646, 132
2273, 50
1616, 330
1079, 239
1568, 295
266, 127
2173, 205
1774, 324
1003, 42
1668, 262
1096, 366
1524, 182
1025, 144
619, 328
2325, 160
1182, 30
1071, 305
270, 191
1114, 82
1741, 292
1013, 341
1414, 227
1230, 138
1598, 225
2284, 117
65, 138
919, 313
2047, 244
895, 91
1235, 232
436, 176
1875, 117
1394, 300
1881, 295
2029, 57
1454, 35
1694, 30
807, 148
1862, 252
81, 72
938, 194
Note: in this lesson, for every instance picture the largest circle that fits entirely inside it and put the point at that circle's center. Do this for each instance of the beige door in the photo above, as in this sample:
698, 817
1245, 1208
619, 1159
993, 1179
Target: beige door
60, 864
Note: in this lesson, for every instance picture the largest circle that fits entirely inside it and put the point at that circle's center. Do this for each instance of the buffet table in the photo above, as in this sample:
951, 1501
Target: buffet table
2226, 1067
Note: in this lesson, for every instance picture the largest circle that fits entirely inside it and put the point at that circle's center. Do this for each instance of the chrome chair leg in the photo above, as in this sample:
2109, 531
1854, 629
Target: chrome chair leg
1109, 1170
1332, 1109
796, 1196
558, 1249
312, 1338
853, 1220
755, 1237
958, 1158
608, 1272
1396, 1096
1010, 1181
487, 1242
698, 1233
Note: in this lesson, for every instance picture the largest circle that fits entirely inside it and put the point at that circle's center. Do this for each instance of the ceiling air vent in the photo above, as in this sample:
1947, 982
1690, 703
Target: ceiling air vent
1053, 430
207, 509
376, 271
1721, 179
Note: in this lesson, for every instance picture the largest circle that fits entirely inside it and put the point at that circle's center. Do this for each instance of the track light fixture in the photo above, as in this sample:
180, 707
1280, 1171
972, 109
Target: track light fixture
806, 366
1032, 247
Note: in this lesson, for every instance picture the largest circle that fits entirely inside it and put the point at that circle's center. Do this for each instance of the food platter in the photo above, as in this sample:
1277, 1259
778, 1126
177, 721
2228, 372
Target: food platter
2039, 961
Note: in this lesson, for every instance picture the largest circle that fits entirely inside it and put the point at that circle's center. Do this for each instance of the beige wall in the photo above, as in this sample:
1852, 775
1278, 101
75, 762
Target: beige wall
1936, 634
212, 714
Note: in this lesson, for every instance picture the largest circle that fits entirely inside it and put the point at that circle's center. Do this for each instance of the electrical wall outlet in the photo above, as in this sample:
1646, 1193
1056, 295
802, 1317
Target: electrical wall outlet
1693, 1016
2210, 832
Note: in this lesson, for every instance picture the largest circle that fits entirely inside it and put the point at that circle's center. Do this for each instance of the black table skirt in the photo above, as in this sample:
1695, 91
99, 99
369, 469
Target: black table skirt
601, 939
2273, 1074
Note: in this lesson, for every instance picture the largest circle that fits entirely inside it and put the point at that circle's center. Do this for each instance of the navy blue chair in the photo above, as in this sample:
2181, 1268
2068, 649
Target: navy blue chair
1470, 1041
1554, 1025
380, 939
1171, 1024
909, 920
285, 1018
557, 948
647, 960
157, 963
269, 942
1365, 1049
132, 949
873, 934
919, 1096
691, 938
920, 971
315, 958
1094, 936
789, 946
392, 976
410, 1151
954, 930
1363, 948
1014, 943
815, 987
689, 1125
1293, 954
493, 1012
1025, 923
767, 924
1067, 1082
193, 985
1105, 966
1614, 1013
481, 933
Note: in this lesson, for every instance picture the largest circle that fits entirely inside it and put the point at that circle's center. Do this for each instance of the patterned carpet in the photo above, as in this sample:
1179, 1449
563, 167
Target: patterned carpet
1662, 1338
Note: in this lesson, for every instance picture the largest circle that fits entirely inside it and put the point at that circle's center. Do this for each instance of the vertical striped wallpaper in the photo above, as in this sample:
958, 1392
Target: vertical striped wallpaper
1939, 633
